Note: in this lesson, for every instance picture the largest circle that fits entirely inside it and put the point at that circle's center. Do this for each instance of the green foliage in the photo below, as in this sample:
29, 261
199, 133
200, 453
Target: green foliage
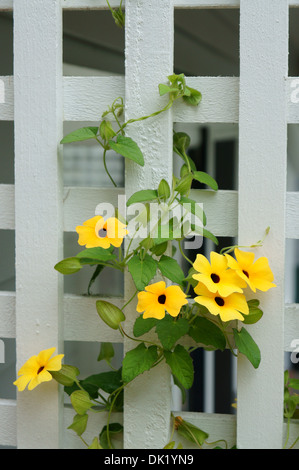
126, 147
137, 361
181, 365
247, 346
170, 331
110, 314
203, 331
80, 135
142, 270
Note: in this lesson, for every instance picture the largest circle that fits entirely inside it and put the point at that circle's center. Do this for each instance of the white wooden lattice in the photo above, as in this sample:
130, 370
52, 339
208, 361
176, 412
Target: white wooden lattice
38, 99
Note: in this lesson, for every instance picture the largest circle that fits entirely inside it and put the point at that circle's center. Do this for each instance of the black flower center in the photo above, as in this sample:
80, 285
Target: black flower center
215, 278
40, 370
246, 273
162, 299
219, 301
102, 233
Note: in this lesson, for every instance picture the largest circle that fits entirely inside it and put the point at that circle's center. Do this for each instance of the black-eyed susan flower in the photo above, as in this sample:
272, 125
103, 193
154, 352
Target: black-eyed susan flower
100, 232
231, 307
157, 299
37, 369
257, 274
216, 276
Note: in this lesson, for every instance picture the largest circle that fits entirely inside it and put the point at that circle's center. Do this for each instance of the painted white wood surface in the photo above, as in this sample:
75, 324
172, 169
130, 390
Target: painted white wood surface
262, 194
220, 99
38, 208
102, 5
217, 425
221, 208
78, 327
149, 60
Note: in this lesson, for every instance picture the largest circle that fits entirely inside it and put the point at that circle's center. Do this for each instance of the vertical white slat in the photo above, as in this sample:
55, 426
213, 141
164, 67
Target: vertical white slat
149, 60
262, 196
38, 208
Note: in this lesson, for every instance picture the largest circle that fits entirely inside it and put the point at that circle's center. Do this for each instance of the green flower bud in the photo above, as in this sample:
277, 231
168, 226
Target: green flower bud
110, 314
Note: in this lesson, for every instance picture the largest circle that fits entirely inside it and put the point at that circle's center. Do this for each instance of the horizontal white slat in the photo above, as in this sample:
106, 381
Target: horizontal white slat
80, 204
219, 103
218, 426
102, 4
6, 5
82, 323
86, 98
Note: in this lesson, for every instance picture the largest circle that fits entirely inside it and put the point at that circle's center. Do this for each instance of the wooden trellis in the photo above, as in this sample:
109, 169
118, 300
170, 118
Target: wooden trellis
38, 98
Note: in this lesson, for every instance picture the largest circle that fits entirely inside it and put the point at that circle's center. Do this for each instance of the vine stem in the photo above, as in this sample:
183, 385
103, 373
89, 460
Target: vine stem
106, 169
130, 300
183, 254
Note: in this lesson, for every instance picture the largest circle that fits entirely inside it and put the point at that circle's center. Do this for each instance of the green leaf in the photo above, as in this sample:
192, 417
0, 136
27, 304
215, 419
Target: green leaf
183, 390
204, 178
126, 147
255, 314
143, 196
210, 236
205, 332
170, 268
137, 361
106, 130
143, 325
192, 97
184, 185
106, 381
81, 401
95, 444
194, 208
164, 190
68, 266
290, 407
106, 352
110, 314
66, 376
114, 428
95, 275
247, 346
142, 270
160, 249
169, 330
164, 89
85, 133
181, 365
191, 432
95, 254
79, 424
294, 383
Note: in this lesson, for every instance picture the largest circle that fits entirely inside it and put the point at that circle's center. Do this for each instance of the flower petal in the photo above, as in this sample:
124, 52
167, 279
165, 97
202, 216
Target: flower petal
55, 363
155, 311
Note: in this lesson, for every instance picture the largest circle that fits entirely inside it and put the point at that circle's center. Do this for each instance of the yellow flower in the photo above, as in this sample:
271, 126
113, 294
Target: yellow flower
231, 307
36, 369
100, 232
157, 298
257, 275
216, 276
